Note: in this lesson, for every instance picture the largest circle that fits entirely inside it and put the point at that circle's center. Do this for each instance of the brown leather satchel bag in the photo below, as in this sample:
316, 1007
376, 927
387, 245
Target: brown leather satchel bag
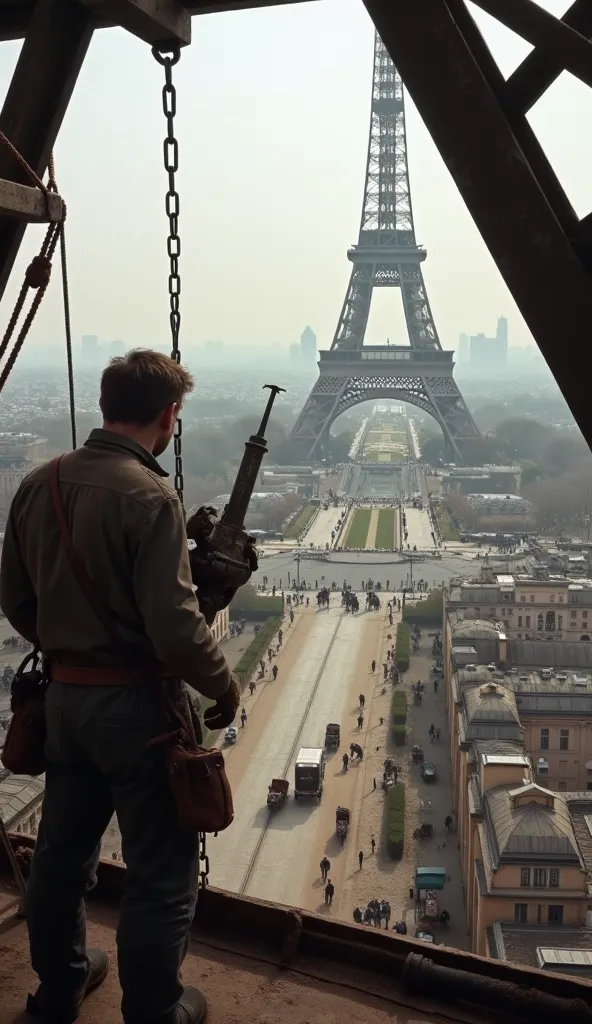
197, 775
24, 745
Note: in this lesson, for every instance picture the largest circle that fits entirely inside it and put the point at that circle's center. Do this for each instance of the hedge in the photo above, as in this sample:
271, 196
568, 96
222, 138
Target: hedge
399, 708
399, 735
402, 647
256, 649
426, 613
395, 821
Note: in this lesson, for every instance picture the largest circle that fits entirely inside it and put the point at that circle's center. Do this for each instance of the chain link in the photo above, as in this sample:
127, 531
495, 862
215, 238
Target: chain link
167, 60
205, 860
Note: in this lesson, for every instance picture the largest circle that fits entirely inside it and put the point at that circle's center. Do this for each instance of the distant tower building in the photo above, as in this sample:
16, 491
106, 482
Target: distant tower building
502, 339
295, 353
308, 346
117, 348
463, 348
490, 354
90, 348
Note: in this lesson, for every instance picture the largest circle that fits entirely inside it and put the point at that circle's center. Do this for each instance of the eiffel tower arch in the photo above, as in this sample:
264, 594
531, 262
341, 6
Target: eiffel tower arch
386, 256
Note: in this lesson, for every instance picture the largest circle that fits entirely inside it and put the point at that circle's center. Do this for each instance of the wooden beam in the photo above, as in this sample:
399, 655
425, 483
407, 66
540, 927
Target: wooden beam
158, 22
531, 247
36, 101
29, 203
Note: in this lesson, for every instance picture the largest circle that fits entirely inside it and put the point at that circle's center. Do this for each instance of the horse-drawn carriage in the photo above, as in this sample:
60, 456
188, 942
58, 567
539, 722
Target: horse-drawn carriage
425, 831
277, 794
332, 736
342, 823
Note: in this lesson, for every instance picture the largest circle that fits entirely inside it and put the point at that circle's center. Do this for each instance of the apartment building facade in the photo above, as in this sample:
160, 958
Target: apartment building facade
529, 608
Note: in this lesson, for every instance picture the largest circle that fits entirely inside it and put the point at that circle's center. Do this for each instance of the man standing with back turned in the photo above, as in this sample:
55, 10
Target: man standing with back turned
102, 704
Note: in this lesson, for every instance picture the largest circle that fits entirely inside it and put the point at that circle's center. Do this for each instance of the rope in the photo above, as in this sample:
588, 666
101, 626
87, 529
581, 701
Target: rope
67, 326
37, 277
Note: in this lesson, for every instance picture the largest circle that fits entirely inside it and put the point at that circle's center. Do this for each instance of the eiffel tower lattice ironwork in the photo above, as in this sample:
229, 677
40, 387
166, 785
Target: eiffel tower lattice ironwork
386, 256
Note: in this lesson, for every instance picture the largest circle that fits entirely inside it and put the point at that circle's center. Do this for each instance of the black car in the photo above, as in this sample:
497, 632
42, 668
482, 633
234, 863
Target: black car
428, 771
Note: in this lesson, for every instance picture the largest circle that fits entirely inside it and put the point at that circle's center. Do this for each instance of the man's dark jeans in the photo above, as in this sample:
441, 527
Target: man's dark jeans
98, 763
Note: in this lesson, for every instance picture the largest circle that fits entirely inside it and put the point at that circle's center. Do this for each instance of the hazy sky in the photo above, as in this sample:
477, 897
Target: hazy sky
273, 109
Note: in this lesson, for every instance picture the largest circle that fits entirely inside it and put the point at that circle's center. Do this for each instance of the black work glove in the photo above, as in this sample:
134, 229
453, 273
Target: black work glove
222, 713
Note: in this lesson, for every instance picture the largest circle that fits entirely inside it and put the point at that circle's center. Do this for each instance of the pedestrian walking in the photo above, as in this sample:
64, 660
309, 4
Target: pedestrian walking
374, 783
374, 664
329, 892
437, 734
431, 728
325, 867
252, 688
373, 844
345, 761
361, 858
274, 671
243, 718
360, 720
435, 685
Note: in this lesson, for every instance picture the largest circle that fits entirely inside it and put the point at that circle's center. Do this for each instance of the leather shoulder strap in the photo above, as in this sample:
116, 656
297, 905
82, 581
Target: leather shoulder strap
92, 595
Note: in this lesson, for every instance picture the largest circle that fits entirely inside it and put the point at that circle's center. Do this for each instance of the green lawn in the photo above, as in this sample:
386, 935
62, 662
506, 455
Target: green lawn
302, 519
385, 529
358, 530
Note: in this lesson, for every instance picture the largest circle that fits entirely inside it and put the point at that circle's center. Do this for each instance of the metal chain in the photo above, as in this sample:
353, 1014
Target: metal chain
205, 860
167, 60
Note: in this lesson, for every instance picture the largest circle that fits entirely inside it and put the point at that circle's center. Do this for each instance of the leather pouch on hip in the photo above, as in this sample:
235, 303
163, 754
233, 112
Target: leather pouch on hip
24, 746
197, 777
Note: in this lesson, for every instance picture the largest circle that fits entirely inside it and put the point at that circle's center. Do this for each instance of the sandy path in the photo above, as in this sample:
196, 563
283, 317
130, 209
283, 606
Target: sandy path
265, 757
380, 877
344, 789
371, 538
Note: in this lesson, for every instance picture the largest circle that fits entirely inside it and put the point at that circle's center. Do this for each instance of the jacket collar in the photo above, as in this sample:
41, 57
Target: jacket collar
100, 438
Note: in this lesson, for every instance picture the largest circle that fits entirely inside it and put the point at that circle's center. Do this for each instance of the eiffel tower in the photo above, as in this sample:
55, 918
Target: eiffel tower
386, 256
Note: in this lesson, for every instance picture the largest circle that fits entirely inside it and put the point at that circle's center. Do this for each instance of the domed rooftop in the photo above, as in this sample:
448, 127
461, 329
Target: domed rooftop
491, 702
530, 822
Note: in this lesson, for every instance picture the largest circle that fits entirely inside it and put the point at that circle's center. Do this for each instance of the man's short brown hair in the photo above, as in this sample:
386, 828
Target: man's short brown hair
138, 387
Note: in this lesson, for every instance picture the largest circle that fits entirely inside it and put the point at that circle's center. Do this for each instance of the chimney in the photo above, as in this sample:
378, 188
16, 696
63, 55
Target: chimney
502, 648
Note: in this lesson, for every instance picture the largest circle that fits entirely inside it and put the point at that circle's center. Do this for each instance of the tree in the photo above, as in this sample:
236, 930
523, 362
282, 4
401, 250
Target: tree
432, 450
523, 438
462, 511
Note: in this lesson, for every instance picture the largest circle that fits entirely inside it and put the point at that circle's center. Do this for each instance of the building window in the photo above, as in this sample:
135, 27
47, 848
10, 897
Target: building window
564, 739
519, 620
521, 912
544, 739
540, 878
562, 786
551, 598
555, 915
561, 598
554, 878
532, 598
585, 613
542, 767
525, 877
527, 623
573, 613
523, 597
560, 622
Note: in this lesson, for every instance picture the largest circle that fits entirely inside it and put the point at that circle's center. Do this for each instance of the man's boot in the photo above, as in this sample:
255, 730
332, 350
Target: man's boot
53, 1012
193, 1007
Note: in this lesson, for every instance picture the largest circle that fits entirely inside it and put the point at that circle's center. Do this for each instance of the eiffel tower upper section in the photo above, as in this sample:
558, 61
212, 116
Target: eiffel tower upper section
387, 254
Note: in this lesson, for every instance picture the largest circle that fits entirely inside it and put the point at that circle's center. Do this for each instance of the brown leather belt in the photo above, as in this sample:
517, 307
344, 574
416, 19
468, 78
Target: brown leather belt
95, 675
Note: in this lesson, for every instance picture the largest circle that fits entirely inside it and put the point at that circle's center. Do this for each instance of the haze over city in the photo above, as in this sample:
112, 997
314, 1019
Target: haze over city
272, 124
